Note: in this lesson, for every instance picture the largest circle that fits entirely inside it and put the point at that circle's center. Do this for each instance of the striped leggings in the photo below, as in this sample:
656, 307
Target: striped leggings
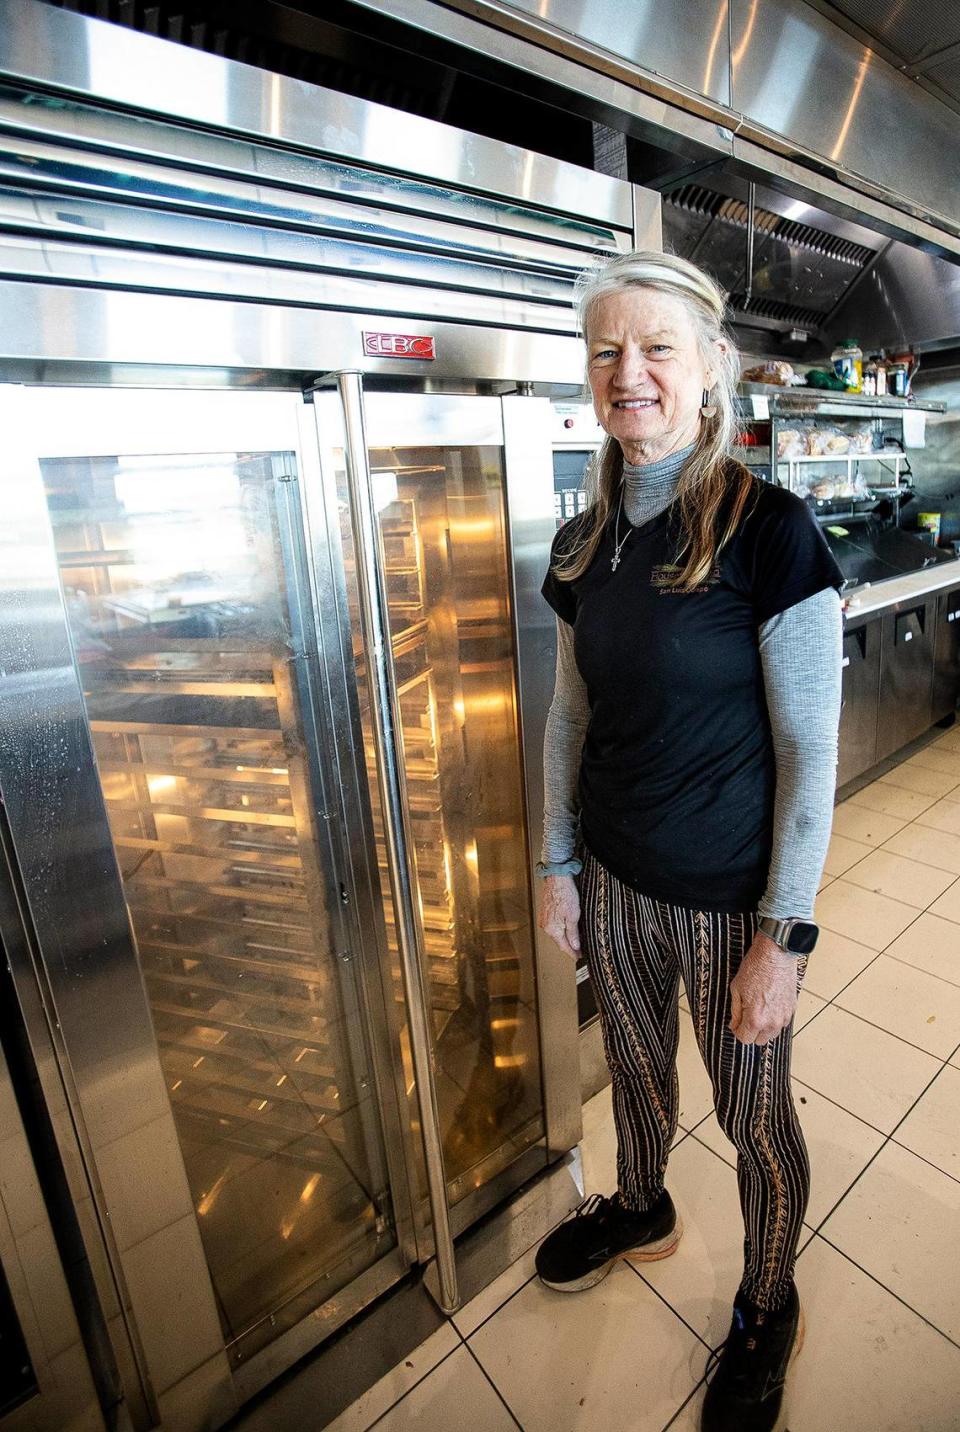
637, 949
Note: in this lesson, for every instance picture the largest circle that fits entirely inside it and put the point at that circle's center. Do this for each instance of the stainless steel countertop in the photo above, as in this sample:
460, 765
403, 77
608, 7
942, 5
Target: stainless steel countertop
868, 598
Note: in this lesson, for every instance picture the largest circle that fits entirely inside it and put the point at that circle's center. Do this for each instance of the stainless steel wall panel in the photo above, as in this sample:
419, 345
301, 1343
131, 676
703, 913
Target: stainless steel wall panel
45, 323
136, 72
786, 58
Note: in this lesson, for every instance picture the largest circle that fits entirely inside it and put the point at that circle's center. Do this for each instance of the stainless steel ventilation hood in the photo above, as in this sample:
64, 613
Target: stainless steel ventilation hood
814, 277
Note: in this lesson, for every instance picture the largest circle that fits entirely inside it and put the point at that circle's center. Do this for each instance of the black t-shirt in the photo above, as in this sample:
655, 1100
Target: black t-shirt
677, 775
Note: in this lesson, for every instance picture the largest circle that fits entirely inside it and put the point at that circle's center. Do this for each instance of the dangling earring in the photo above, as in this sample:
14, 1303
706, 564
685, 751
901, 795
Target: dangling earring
707, 409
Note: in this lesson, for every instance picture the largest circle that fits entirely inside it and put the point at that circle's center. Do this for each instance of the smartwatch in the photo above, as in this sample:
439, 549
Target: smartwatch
795, 937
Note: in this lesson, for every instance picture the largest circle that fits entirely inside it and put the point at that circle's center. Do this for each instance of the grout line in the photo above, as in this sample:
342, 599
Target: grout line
412, 1387
679, 1316
883, 1030
888, 1138
874, 1279
509, 1409
795, 1079
954, 984
929, 1162
508, 1299
684, 1404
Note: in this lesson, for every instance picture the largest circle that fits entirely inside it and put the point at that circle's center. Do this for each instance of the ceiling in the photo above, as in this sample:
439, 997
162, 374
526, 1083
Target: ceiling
919, 37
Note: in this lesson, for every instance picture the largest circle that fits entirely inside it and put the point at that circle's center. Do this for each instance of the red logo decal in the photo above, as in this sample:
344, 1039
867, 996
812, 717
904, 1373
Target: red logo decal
398, 345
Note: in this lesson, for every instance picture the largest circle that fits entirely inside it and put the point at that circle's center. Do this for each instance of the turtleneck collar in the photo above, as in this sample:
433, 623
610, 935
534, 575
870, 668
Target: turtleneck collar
649, 488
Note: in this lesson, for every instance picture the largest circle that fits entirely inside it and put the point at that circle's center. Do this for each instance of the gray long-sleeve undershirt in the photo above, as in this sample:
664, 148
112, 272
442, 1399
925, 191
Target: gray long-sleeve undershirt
800, 656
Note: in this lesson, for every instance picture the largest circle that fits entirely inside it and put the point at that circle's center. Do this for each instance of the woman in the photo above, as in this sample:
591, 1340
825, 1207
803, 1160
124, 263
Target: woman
692, 740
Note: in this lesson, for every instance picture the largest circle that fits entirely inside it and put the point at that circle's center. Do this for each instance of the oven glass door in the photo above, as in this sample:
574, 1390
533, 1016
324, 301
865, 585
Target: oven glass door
437, 475
182, 562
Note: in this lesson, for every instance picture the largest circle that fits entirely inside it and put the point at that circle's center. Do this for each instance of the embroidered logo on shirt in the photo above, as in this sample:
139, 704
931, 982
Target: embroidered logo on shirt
661, 575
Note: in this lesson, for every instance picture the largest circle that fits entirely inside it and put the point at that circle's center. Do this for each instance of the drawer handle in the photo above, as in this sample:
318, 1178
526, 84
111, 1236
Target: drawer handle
908, 636
845, 661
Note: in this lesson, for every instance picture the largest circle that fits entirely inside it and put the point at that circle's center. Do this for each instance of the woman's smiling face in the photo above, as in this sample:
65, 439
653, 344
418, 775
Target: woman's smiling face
646, 372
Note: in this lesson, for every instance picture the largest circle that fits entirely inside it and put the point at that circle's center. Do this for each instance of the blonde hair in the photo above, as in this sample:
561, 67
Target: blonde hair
713, 489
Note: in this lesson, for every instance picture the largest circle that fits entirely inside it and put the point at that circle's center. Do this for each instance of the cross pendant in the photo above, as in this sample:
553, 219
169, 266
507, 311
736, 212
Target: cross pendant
615, 561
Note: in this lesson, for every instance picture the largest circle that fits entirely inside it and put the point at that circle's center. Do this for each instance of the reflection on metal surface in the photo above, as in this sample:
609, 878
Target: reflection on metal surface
177, 591
444, 542
367, 498
87, 58
916, 163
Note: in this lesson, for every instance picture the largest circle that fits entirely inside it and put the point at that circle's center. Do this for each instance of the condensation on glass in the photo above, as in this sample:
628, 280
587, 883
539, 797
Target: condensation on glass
176, 591
445, 554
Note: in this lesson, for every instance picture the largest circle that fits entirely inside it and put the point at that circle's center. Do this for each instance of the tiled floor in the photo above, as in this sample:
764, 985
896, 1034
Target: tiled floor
877, 1084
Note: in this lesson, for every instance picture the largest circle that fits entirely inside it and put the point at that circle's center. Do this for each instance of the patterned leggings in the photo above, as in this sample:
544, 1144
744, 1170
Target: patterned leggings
637, 949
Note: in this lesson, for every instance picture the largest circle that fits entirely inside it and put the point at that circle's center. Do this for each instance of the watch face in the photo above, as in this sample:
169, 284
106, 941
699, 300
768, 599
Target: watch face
803, 937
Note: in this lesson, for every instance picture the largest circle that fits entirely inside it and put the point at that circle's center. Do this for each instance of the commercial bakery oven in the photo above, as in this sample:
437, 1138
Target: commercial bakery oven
278, 498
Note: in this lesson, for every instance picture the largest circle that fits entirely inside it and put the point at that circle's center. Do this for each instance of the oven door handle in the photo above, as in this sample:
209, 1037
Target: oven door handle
387, 726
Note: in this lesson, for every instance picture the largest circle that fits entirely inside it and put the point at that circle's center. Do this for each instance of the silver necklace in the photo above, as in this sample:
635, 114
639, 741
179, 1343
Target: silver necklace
617, 545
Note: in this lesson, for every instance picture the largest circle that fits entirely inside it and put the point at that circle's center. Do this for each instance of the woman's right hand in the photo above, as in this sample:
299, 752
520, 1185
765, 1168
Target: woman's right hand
560, 913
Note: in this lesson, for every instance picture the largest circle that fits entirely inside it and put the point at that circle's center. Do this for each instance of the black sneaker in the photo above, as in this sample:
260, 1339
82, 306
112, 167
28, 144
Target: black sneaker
747, 1373
583, 1249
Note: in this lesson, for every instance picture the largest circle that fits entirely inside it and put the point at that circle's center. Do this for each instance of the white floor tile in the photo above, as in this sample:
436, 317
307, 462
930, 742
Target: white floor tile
700, 1279
598, 1147
867, 1364
455, 1394
696, 1091
933, 847
843, 852
902, 879
834, 963
863, 915
901, 1223
865, 1070
808, 1005
492, 1297
931, 1128
840, 1147
922, 780
868, 827
907, 1002
379, 1398
936, 758
931, 943
942, 815
892, 800
948, 906
614, 1356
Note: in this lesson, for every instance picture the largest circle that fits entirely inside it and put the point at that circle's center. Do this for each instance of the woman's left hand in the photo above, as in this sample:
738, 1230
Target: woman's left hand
763, 993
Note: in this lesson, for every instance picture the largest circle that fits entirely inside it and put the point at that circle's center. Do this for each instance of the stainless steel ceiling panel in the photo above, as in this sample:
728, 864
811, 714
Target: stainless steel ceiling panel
802, 79
911, 30
688, 42
75, 55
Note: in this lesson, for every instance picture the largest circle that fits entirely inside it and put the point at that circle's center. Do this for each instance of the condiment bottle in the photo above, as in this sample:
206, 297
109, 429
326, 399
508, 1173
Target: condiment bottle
870, 378
848, 364
881, 363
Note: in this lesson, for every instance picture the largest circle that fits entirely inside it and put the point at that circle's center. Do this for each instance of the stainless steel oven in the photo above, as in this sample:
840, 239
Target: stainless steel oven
278, 490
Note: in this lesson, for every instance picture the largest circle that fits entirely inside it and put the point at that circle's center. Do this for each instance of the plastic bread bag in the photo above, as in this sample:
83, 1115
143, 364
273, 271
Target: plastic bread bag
791, 442
827, 442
